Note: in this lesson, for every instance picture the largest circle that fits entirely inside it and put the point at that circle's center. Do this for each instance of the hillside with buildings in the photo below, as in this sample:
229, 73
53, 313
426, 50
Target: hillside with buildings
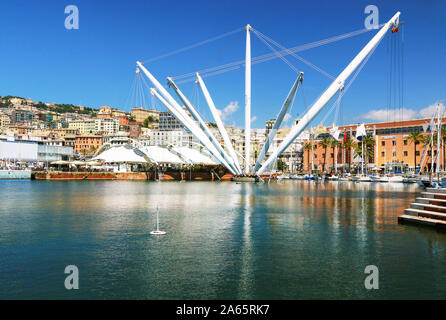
70, 131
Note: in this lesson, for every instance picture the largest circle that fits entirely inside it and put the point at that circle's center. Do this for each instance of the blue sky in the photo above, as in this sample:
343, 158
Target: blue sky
95, 65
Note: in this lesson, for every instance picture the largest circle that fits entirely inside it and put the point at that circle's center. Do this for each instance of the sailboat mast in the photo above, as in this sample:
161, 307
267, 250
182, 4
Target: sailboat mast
336, 156
438, 139
312, 151
362, 158
248, 101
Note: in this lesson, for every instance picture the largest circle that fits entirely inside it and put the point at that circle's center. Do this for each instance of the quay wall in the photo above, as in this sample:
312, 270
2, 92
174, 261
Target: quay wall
132, 176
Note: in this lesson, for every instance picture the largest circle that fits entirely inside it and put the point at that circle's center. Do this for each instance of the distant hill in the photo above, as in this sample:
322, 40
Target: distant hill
9, 101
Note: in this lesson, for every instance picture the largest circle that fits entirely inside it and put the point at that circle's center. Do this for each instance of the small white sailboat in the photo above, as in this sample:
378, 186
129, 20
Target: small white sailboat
396, 179
364, 178
158, 232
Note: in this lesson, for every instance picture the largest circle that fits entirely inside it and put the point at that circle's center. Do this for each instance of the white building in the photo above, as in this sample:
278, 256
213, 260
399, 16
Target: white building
83, 126
107, 125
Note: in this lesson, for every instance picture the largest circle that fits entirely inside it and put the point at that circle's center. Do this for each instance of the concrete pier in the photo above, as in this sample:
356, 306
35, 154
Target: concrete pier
429, 209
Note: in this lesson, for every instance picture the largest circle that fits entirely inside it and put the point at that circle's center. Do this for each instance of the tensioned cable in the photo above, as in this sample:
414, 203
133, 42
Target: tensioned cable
129, 97
208, 74
194, 45
344, 91
257, 34
296, 56
270, 56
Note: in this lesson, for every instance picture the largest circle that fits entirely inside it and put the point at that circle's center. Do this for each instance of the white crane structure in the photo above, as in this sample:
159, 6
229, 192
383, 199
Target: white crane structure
330, 92
169, 102
226, 155
203, 125
279, 120
220, 125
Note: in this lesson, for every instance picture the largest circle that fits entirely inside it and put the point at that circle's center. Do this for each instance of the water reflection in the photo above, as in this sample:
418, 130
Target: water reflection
295, 239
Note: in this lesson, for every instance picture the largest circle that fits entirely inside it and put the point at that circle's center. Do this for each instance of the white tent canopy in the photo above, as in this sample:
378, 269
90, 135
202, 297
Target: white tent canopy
120, 154
193, 156
155, 154
161, 155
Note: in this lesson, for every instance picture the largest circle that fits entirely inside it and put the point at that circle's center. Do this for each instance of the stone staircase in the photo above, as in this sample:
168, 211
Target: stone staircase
428, 209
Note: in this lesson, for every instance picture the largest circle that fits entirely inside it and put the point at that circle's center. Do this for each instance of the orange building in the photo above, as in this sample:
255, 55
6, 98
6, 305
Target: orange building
391, 148
105, 112
89, 143
123, 120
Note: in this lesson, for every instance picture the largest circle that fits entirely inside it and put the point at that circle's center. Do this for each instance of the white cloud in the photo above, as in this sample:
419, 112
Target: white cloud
254, 118
428, 112
286, 117
389, 115
402, 114
228, 110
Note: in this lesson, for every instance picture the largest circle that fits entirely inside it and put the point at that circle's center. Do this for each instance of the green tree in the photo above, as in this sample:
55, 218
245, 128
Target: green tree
280, 165
416, 138
348, 145
325, 143
148, 120
369, 143
308, 147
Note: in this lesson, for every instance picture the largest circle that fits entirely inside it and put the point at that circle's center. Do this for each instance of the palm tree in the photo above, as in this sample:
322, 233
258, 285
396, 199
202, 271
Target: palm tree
308, 147
325, 143
416, 137
333, 144
369, 143
349, 144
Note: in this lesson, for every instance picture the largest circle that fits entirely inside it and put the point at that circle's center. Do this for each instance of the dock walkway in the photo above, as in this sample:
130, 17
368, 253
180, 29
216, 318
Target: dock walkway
429, 209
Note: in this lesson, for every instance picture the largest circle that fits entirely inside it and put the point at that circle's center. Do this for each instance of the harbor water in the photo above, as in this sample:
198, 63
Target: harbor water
286, 240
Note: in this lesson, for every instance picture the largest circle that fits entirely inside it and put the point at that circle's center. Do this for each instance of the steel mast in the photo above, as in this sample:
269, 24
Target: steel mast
183, 117
200, 120
220, 125
286, 104
248, 101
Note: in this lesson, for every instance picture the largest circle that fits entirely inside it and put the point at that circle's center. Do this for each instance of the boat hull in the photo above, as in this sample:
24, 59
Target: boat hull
15, 174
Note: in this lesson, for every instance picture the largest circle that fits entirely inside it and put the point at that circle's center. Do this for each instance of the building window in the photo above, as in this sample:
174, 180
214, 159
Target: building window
383, 143
405, 153
394, 153
417, 153
393, 143
383, 154
331, 155
405, 142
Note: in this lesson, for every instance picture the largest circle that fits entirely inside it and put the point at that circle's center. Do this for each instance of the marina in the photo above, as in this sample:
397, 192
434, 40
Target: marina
287, 240
209, 151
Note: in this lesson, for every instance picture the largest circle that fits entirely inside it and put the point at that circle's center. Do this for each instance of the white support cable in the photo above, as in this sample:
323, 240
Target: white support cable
276, 52
297, 56
328, 94
210, 74
193, 45
130, 95
345, 89
270, 56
